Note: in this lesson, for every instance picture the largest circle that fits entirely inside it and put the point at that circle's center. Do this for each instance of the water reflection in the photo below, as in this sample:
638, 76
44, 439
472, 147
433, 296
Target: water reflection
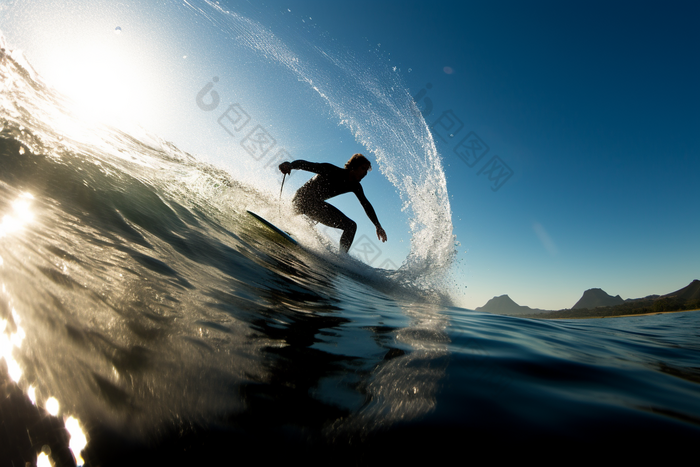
403, 386
11, 337
12, 334
43, 460
78, 440
20, 215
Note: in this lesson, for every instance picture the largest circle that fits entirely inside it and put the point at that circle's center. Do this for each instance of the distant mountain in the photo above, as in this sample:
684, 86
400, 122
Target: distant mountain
687, 293
504, 305
597, 303
594, 298
687, 298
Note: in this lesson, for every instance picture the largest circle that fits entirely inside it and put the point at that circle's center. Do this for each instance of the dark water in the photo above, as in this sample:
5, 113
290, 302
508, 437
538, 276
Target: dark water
137, 293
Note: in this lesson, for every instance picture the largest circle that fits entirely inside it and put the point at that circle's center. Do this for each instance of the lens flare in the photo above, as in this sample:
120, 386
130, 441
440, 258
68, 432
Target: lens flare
43, 461
52, 406
78, 440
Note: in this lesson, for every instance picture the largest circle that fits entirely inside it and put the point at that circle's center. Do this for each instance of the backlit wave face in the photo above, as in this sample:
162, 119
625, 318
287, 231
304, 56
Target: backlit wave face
113, 61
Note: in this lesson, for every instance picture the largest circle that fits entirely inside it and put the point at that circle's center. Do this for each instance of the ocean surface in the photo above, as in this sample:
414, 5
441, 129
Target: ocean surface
146, 319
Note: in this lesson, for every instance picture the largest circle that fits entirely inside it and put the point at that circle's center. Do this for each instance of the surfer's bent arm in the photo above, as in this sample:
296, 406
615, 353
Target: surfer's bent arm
369, 210
287, 167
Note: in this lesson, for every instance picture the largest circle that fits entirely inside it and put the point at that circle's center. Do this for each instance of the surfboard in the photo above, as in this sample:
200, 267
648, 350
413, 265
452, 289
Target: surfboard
273, 227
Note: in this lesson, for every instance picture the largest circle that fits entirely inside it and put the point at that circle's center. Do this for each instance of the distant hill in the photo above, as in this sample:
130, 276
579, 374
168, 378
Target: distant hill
687, 298
504, 305
688, 293
593, 298
597, 303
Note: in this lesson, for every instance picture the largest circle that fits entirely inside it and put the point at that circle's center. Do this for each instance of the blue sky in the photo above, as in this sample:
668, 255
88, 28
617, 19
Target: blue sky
592, 106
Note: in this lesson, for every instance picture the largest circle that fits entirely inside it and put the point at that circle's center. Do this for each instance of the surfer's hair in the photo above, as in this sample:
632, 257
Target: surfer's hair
357, 160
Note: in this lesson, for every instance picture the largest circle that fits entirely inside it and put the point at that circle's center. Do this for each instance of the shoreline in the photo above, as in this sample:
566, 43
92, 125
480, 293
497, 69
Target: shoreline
624, 316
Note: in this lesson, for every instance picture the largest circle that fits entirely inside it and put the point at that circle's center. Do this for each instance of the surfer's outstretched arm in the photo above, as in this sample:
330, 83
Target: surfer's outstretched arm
287, 167
369, 210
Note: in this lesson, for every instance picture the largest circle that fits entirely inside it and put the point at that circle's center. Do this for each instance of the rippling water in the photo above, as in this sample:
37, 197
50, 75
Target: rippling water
139, 298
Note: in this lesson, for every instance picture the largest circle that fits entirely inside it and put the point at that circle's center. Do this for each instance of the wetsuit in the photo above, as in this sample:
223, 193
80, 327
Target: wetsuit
330, 181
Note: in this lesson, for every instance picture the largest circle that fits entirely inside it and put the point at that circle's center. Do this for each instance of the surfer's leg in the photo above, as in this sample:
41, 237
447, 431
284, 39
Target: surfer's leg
348, 236
331, 216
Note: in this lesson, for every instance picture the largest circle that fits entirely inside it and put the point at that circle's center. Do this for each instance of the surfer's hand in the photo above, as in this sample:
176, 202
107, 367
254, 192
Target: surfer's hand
381, 235
286, 168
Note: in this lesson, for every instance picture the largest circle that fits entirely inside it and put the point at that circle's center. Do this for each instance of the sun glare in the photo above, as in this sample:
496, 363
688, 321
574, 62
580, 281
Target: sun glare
103, 78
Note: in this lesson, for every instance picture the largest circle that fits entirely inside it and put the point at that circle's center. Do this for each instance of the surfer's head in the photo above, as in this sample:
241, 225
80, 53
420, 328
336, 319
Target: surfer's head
358, 166
358, 160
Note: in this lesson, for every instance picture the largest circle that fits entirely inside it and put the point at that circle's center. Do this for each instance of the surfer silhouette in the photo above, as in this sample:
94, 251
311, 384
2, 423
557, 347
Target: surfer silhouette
331, 181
